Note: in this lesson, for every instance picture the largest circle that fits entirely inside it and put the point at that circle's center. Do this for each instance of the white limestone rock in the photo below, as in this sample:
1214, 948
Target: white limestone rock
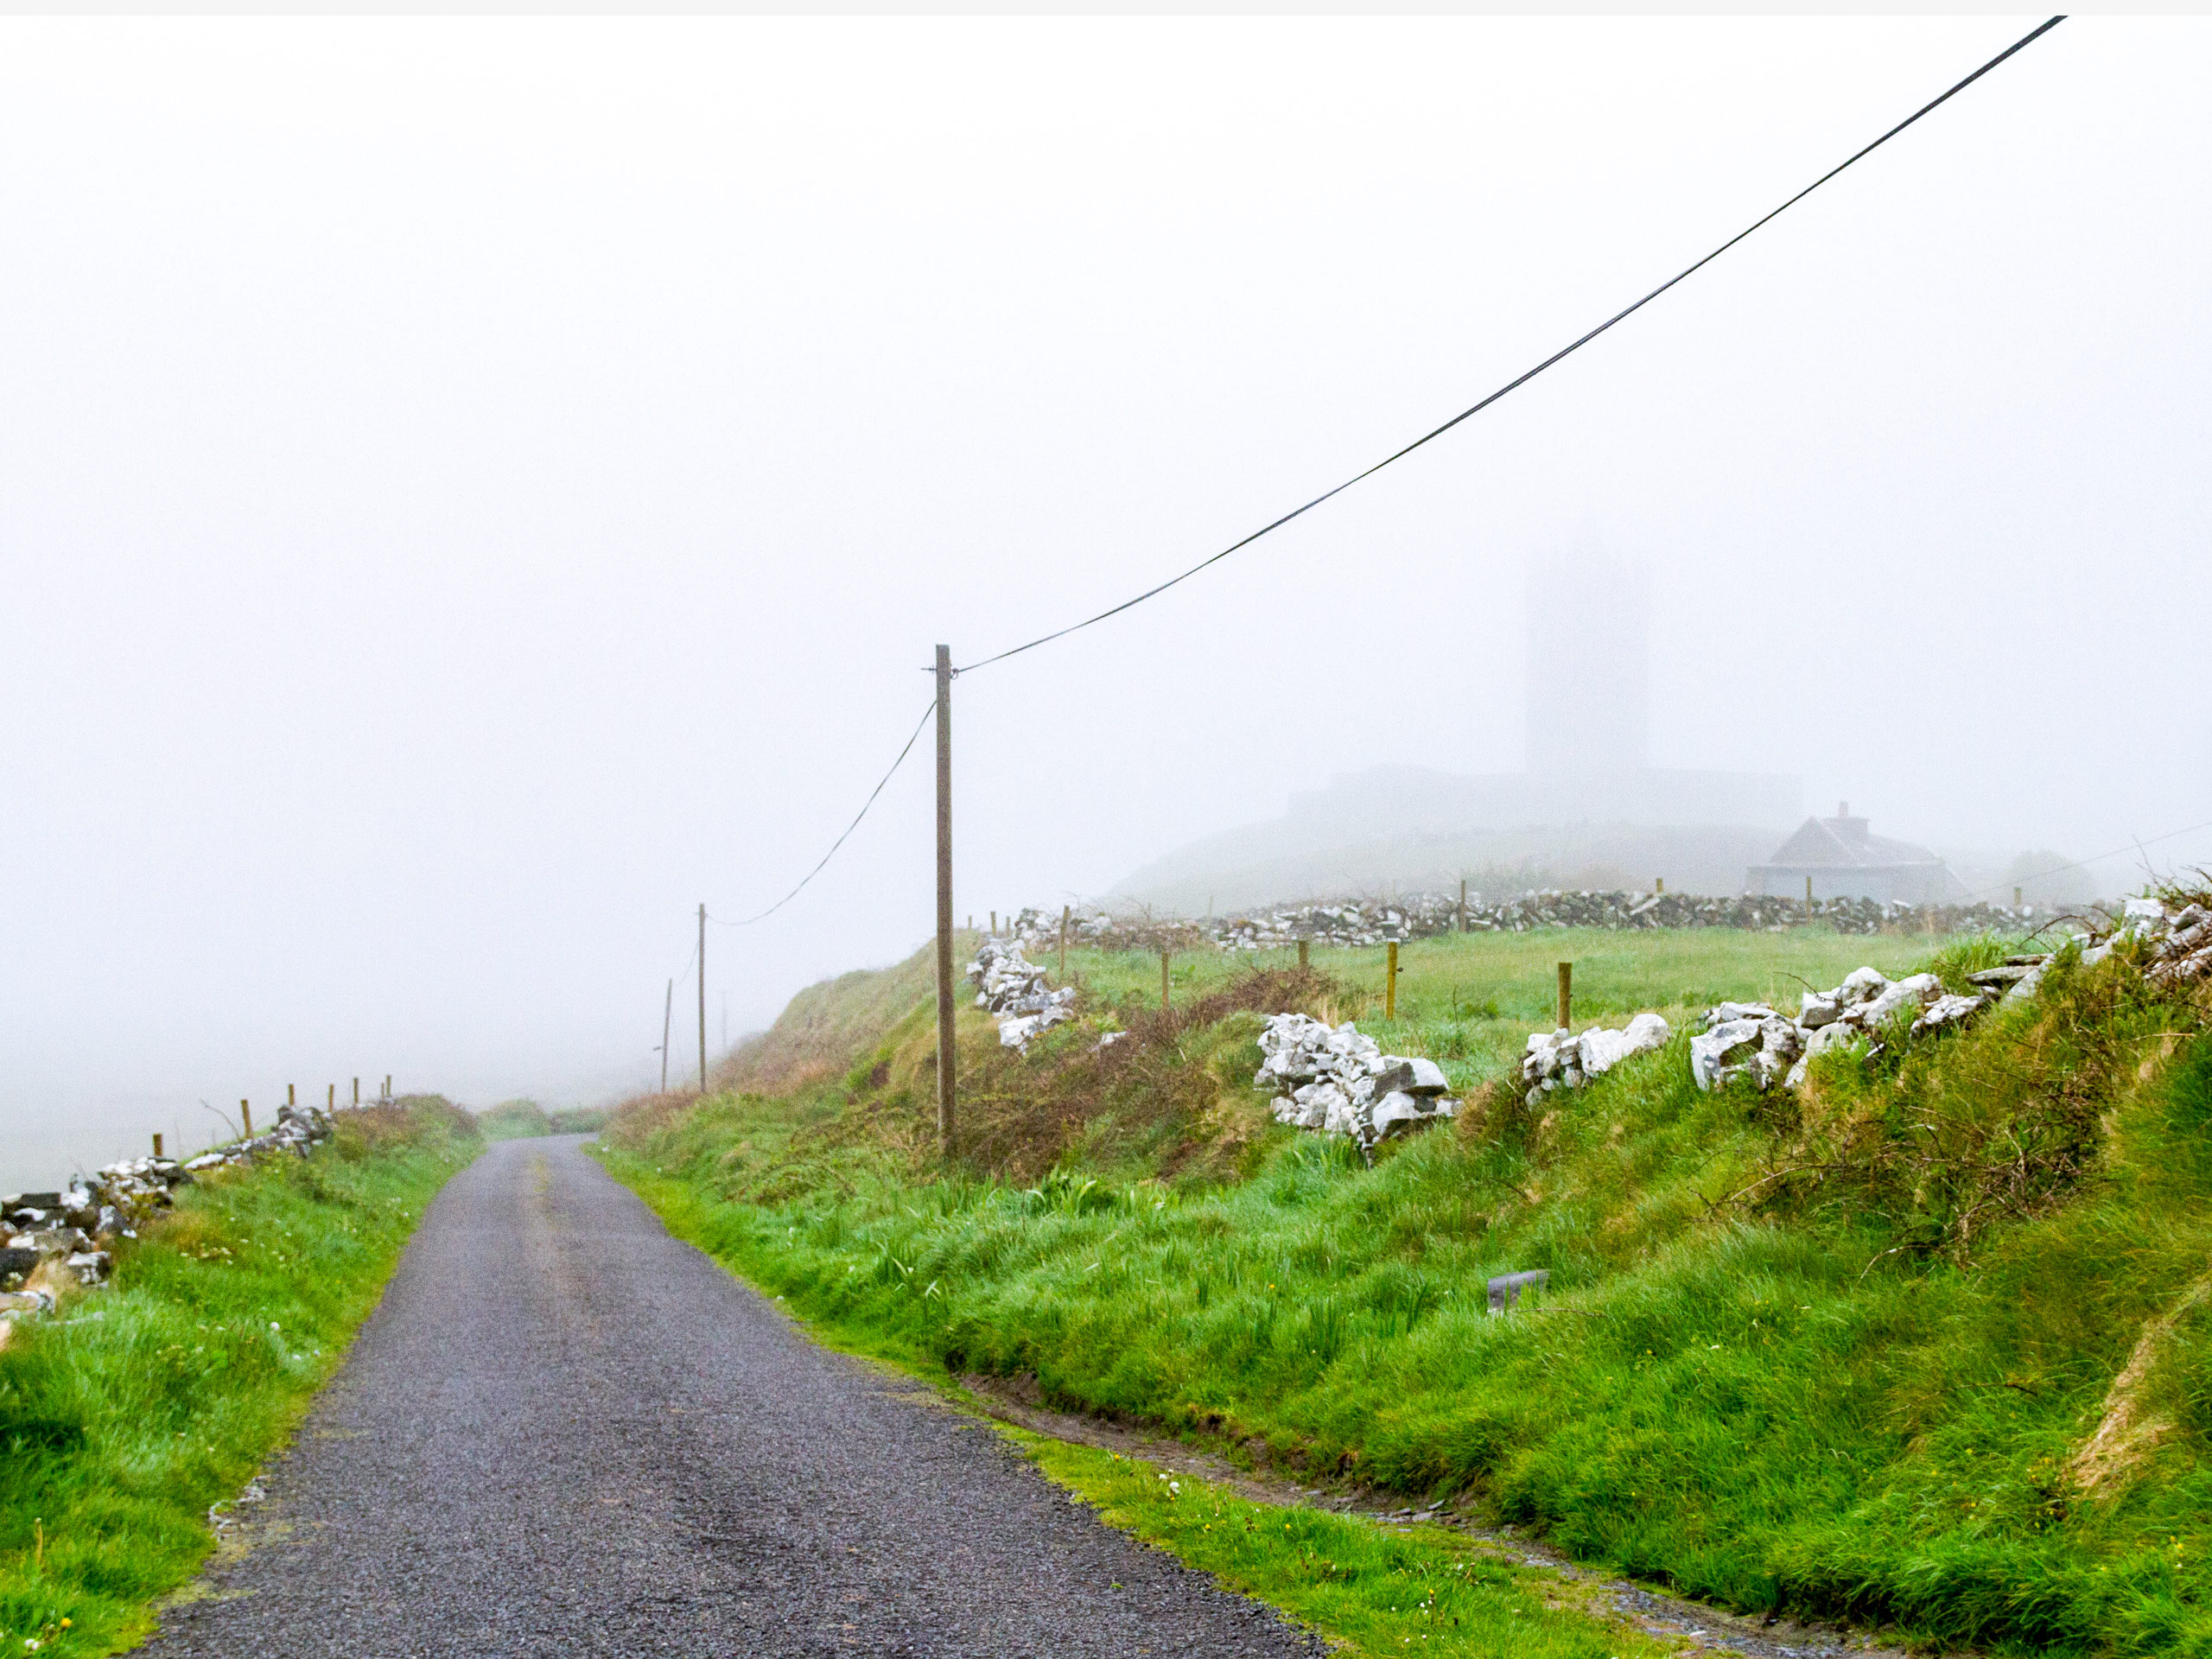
1949, 1010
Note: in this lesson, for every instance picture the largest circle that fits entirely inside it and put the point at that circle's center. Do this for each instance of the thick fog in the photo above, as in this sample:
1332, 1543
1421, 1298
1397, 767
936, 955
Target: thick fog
472, 491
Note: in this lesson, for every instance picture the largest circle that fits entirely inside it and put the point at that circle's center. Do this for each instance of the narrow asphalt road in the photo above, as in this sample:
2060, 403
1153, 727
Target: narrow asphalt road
565, 1433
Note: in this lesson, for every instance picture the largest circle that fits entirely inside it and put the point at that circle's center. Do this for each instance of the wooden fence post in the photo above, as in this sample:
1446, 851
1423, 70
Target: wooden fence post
1066, 911
1659, 886
1390, 981
245, 1115
1305, 955
1566, 995
1163, 957
158, 1144
1462, 903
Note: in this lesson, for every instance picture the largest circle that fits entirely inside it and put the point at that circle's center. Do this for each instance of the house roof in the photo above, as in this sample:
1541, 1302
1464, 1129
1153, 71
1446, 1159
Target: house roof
1843, 842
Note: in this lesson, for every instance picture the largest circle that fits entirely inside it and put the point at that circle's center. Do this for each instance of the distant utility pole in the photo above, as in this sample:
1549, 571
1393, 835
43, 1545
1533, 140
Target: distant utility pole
945, 1096
703, 999
667, 1018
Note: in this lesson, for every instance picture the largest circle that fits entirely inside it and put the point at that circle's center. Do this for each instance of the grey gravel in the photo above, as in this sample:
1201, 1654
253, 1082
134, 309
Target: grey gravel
566, 1432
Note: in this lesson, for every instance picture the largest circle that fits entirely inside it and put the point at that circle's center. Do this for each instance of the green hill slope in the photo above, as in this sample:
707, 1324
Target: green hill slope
1925, 1342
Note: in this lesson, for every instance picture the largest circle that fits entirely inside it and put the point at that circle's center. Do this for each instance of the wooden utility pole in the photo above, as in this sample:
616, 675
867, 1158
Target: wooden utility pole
667, 1025
945, 1079
1065, 910
1390, 981
1566, 995
703, 999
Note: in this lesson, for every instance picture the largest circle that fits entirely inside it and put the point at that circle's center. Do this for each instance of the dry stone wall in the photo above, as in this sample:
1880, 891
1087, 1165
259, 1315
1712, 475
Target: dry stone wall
66, 1237
1366, 921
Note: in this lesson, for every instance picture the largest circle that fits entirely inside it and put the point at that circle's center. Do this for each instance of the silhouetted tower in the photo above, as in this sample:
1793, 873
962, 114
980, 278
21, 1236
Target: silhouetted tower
1589, 664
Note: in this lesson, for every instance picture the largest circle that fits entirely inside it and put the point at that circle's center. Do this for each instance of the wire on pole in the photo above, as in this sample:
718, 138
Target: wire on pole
1523, 378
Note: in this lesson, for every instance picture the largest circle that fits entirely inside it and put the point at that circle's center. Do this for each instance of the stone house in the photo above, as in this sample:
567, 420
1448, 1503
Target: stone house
1843, 860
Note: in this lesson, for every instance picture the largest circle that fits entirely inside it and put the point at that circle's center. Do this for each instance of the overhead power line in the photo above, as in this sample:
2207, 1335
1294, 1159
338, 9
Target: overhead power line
1523, 379
1475, 409
927, 711
2095, 858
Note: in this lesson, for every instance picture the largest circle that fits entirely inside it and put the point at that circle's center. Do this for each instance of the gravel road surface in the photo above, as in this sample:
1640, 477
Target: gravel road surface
564, 1432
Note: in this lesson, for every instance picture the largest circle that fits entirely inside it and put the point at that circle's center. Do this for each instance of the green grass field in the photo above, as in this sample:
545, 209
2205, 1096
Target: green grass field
125, 1417
1469, 1001
1841, 1354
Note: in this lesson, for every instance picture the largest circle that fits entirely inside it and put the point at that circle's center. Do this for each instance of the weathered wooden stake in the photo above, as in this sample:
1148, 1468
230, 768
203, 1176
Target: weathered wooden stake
2016, 898
1462, 903
387, 1085
245, 1116
356, 1092
995, 921
1660, 885
157, 1146
944, 1080
1566, 995
292, 1096
1305, 955
1390, 981
1808, 889
1163, 980
1065, 911
330, 1102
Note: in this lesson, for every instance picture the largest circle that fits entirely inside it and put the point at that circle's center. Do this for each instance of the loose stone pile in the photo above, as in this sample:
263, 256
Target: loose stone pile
1555, 1059
70, 1233
1013, 989
1354, 923
1750, 1040
1341, 1082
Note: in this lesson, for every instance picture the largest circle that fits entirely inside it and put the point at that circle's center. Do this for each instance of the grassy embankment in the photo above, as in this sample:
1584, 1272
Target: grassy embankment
123, 1419
1927, 1344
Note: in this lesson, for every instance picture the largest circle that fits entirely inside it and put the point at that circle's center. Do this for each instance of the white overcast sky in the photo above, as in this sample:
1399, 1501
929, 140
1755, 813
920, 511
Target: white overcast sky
472, 490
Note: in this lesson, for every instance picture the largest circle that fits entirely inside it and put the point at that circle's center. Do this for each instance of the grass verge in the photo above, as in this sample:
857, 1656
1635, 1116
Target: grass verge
136, 1408
1371, 1589
1928, 1343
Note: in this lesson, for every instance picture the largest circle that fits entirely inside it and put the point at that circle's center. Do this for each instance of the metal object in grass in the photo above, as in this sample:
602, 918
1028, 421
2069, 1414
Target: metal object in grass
1505, 1290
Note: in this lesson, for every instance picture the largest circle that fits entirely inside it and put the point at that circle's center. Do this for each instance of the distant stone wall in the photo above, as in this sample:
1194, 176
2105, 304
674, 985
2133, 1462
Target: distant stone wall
1357, 922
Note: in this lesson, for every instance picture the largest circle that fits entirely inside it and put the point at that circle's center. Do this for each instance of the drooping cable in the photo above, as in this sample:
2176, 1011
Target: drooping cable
1523, 379
912, 739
